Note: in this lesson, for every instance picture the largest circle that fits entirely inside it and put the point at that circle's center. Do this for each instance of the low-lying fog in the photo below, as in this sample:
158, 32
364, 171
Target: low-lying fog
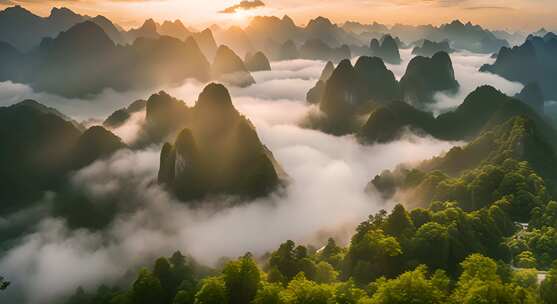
324, 198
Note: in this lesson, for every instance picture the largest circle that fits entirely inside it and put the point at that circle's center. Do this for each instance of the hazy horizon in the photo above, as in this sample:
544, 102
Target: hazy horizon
514, 15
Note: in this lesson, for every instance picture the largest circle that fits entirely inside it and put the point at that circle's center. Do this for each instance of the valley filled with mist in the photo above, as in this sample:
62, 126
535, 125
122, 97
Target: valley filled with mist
276, 162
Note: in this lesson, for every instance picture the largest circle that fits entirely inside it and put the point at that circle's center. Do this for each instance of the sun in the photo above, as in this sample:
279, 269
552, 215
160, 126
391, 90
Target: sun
242, 17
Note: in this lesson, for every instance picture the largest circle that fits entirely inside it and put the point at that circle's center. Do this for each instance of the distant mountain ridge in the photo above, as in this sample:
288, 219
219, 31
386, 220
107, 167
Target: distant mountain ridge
85, 57
535, 61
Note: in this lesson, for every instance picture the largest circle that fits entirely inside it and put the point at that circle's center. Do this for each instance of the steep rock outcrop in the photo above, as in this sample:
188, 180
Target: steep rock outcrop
257, 62
425, 76
230, 68
218, 152
386, 49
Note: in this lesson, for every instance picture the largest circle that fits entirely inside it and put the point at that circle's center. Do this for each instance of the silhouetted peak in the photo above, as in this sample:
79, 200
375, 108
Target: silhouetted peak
227, 61
98, 133
95, 143
456, 23
483, 93
367, 63
257, 62
149, 25
17, 10
62, 12
85, 35
442, 57
320, 22
344, 66
214, 96
206, 32
388, 39
287, 20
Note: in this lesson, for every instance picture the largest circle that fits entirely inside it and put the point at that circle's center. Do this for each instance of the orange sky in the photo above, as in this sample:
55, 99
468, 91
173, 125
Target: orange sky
525, 15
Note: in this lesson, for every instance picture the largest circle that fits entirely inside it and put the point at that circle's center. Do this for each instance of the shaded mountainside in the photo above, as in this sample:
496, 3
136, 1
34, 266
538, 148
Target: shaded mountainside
32, 29
45, 148
483, 108
315, 94
257, 62
316, 49
532, 95
88, 61
206, 43
425, 76
535, 61
121, 116
511, 157
429, 48
353, 92
229, 68
217, 152
386, 49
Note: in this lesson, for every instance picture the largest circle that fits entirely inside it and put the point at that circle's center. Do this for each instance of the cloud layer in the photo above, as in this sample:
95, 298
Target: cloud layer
325, 197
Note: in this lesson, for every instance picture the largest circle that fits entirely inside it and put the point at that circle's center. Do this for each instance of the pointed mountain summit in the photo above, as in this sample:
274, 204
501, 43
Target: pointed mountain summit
174, 29
535, 61
147, 30
425, 76
110, 29
257, 62
217, 153
206, 43
46, 147
230, 68
429, 48
387, 49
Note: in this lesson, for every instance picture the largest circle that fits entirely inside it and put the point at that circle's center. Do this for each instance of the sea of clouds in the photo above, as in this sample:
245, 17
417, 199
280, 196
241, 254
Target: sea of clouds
325, 196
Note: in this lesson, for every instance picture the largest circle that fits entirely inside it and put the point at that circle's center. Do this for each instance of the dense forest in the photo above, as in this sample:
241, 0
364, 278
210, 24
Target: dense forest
480, 234
434, 145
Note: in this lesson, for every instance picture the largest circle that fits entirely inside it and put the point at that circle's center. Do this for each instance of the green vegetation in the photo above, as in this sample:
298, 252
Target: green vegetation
481, 223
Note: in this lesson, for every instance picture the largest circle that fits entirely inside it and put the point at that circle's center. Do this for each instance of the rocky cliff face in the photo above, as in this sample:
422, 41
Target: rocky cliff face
429, 48
315, 94
218, 152
257, 62
46, 147
230, 68
81, 62
535, 61
386, 49
425, 76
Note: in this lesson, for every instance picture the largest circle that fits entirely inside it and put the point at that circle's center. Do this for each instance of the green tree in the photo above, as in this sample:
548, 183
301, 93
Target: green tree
348, 293
525, 259
212, 291
479, 283
290, 260
269, 293
431, 245
548, 287
241, 279
411, 287
303, 291
370, 256
325, 273
146, 289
